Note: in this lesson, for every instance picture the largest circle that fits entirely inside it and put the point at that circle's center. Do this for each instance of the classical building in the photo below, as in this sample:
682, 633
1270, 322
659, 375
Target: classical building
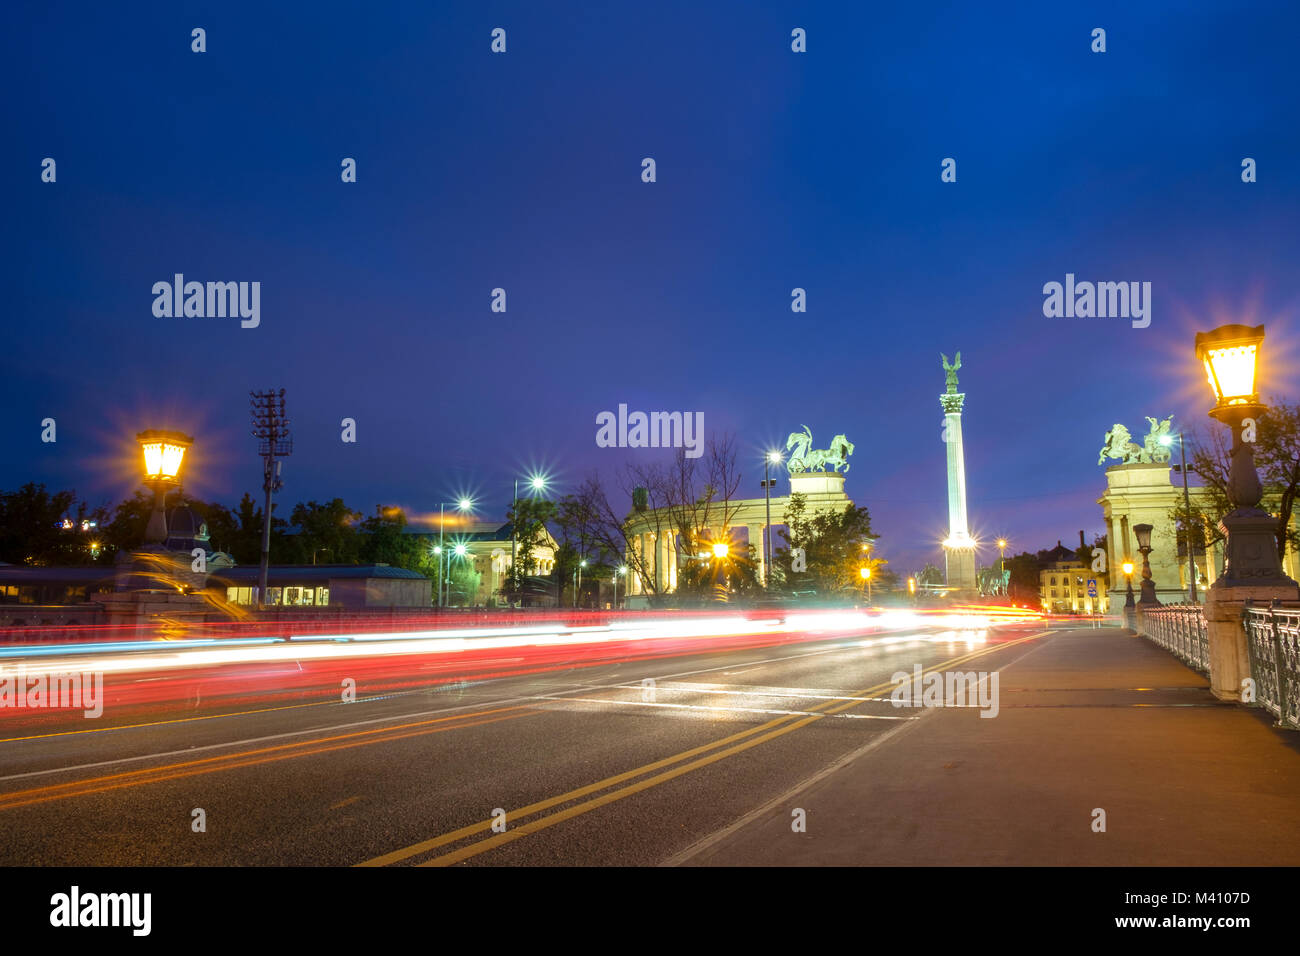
1067, 585
485, 550
656, 554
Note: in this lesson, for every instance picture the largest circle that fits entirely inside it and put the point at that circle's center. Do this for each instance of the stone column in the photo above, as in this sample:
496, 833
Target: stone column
756, 539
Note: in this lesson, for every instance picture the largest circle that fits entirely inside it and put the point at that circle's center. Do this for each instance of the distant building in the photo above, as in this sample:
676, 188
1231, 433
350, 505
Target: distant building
1067, 585
487, 555
326, 585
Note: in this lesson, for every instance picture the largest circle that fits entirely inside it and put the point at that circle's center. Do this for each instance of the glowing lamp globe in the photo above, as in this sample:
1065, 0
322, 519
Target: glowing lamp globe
721, 549
164, 453
1230, 355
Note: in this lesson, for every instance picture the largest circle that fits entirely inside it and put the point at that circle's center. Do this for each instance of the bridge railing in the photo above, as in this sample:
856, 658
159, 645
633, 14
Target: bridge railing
1181, 630
1273, 639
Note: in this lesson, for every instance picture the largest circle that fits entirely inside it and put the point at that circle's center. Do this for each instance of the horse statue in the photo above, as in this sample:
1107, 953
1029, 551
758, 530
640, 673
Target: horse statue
1119, 445
1151, 445
807, 458
802, 441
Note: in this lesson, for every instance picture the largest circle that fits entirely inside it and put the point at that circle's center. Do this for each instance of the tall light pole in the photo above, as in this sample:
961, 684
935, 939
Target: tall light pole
538, 483
463, 505
770, 459
1002, 566
1130, 608
1166, 440
866, 580
271, 429
618, 572
577, 580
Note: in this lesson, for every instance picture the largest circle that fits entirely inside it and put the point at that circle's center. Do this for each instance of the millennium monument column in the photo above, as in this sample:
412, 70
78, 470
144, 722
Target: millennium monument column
958, 547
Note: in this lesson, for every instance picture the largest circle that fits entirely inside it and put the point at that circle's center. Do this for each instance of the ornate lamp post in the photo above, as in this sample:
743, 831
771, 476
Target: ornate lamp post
1251, 568
164, 453
1002, 566
1143, 533
1230, 355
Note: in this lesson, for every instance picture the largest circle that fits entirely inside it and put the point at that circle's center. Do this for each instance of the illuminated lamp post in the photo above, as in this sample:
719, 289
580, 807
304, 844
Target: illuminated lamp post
537, 483
1130, 609
1251, 567
577, 580
1002, 566
720, 551
1167, 440
618, 572
771, 458
164, 453
866, 581
463, 506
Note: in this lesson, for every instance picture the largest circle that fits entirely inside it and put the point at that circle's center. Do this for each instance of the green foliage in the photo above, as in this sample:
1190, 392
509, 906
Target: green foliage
832, 543
529, 517
30, 528
384, 543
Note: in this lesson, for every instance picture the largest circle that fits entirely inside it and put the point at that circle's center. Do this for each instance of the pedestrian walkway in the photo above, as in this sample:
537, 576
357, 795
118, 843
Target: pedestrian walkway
1089, 720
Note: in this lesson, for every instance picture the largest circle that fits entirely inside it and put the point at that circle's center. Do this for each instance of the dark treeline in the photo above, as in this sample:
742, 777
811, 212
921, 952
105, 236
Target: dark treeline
39, 527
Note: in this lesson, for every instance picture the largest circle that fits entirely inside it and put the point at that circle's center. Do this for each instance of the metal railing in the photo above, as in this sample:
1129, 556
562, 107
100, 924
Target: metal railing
1181, 630
1273, 639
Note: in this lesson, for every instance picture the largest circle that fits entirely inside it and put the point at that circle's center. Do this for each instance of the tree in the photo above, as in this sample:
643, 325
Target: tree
832, 543
384, 542
528, 517
327, 532
1023, 583
31, 527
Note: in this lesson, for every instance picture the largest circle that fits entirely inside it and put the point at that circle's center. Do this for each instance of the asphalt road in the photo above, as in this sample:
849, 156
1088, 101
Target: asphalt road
581, 765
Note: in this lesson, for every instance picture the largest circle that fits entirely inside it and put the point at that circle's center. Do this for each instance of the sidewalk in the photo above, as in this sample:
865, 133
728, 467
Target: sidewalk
1089, 719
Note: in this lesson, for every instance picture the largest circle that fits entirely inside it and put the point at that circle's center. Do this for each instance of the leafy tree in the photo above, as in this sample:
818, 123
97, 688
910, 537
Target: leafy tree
327, 532
384, 542
832, 543
31, 529
528, 516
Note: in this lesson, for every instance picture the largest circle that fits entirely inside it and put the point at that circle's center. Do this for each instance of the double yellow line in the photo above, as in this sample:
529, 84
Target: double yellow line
733, 744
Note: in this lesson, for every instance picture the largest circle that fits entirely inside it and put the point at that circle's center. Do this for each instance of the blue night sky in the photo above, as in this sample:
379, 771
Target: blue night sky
775, 170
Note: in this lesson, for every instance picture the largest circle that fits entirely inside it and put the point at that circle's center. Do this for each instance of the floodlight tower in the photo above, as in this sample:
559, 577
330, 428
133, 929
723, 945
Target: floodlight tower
271, 429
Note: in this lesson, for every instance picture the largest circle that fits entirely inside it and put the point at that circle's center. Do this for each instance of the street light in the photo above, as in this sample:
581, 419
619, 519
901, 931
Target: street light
618, 572
577, 580
1230, 355
772, 458
1143, 533
537, 483
464, 505
866, 578
1130, 609
164, 453
1167, 440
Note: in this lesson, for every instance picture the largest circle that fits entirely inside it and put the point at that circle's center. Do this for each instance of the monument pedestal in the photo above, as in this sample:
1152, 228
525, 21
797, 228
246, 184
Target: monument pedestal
959, 564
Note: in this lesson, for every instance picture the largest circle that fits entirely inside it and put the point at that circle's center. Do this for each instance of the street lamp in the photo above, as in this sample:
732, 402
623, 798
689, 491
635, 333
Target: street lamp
866, 580
1167, 440
618, 572
1002, 565
1148, 598
1230, 355
577, 580
1130, 609
537, 483
772, 458
464, 505
164, 453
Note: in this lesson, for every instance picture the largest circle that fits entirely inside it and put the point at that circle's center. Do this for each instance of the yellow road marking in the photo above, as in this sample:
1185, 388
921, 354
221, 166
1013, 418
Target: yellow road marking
774, 727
